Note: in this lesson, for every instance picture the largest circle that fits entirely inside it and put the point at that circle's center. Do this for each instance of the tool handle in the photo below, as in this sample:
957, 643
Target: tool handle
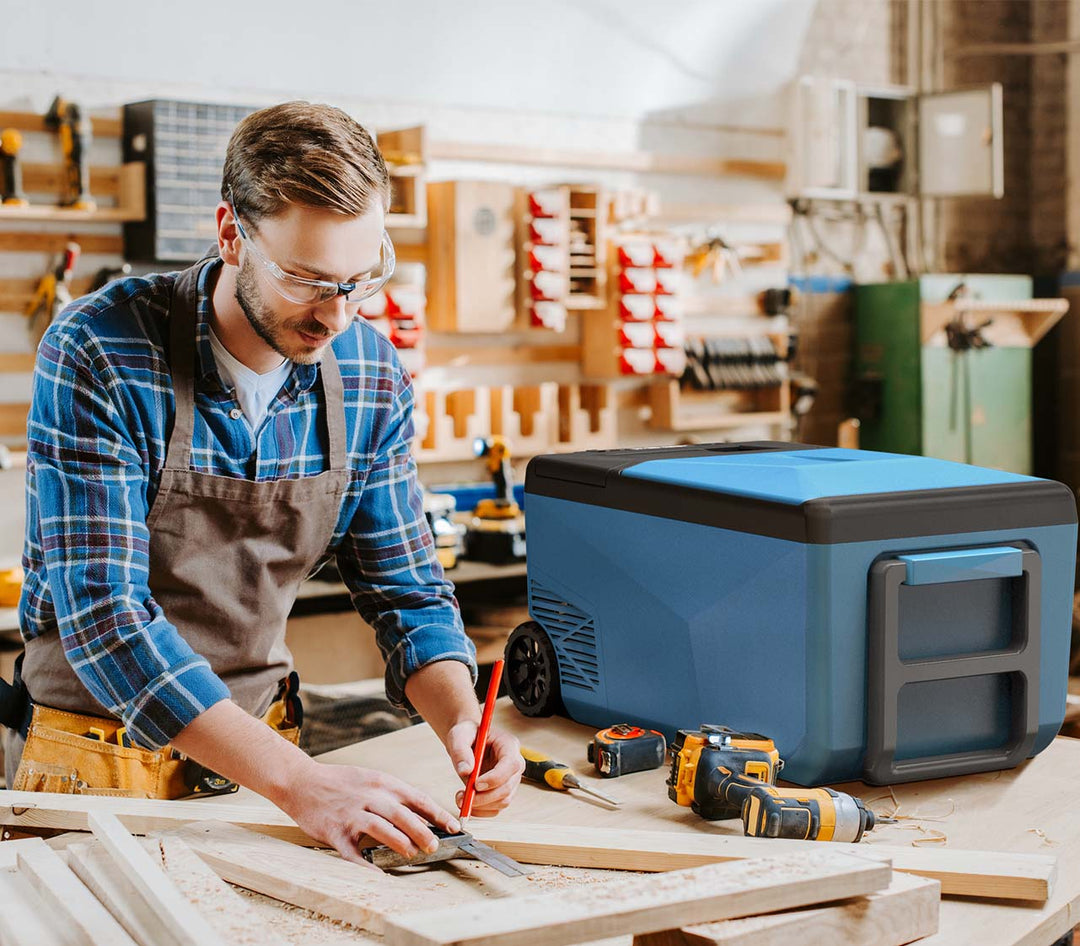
480, 746
546, 771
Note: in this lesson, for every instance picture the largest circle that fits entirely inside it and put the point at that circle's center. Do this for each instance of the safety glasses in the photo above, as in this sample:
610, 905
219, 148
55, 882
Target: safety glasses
305, 291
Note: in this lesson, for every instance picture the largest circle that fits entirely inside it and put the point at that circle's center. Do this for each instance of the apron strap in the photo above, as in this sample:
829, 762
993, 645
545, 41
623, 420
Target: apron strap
182, 322
334, 393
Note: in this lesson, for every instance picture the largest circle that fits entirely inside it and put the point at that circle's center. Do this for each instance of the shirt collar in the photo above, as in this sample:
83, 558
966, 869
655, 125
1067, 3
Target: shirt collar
303, 377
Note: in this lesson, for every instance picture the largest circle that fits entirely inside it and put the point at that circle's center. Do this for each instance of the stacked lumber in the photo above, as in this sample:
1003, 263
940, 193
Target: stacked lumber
107, 886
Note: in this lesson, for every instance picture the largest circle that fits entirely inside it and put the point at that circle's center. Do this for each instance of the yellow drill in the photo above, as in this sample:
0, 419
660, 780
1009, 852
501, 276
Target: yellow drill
11, 189
67, 119
719, 773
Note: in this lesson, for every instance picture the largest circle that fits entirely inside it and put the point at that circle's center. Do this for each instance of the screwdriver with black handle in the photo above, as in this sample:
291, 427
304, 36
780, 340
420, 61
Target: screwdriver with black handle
544, 770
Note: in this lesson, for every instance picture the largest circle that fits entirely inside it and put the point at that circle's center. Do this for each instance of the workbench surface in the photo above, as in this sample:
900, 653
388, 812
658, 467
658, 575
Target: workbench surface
1032, 809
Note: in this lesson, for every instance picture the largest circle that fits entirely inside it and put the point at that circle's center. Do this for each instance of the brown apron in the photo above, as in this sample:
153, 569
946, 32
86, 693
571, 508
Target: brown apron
227, 555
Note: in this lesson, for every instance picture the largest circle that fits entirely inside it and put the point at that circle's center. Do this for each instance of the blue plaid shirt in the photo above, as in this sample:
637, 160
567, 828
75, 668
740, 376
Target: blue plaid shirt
102, 406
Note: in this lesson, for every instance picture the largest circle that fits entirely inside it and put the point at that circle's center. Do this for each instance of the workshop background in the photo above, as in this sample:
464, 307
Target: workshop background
614, 225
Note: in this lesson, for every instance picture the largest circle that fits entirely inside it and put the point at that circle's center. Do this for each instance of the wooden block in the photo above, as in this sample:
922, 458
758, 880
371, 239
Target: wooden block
903, 912
587, 417
527, 416
315, 881
645, 904
231, 915
183, 921
65, 894
990, 874
455, 420
25, 920
92, 864
471, 256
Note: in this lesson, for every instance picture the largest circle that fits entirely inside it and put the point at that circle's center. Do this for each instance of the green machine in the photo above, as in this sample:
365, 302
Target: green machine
943, 366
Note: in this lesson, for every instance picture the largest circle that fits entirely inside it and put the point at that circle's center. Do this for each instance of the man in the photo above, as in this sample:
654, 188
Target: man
198, 443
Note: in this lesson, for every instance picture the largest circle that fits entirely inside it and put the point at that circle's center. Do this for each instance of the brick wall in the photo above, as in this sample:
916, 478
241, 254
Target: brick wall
1048, 161
982, 235
1026, 230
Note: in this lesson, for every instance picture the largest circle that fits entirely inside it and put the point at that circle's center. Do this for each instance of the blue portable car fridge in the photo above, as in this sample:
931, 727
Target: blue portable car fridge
882, 617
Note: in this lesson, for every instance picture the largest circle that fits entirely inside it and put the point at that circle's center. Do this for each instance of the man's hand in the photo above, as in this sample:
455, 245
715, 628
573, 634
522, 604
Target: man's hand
340, 805
500, 771
443, 694
336, 804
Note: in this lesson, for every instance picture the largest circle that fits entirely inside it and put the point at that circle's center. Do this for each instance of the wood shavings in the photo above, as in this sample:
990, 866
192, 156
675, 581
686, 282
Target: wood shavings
931, 835
895, 813
1041, 835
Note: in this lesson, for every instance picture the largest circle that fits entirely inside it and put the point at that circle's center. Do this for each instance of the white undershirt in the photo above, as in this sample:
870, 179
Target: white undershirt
254, 391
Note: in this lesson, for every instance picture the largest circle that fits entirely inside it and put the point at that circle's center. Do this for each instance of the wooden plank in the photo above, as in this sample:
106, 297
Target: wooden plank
141, 815
470, 355
639, 161
645, 904
102, 126
309, 879
65, 894
961, 873
186, 925
46, 213
30, 242
49, 178
903, 912
24, 918
231, 915
92, 864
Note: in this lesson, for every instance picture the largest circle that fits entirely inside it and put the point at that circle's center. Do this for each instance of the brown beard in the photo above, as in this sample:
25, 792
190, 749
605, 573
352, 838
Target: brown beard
267, 325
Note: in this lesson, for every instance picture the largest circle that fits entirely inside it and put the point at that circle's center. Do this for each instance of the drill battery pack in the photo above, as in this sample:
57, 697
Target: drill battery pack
619, 750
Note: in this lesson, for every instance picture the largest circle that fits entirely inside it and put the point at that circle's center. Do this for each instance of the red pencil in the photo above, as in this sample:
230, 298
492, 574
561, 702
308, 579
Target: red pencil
481, 739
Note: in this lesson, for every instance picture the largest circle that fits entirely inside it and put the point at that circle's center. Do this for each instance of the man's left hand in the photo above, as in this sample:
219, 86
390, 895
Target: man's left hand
500, 771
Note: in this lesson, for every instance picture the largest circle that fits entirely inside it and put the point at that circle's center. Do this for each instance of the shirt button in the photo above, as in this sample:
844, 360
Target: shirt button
236, 413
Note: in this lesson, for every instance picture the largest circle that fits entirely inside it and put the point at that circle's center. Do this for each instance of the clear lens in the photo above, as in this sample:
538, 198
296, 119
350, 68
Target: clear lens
316, 291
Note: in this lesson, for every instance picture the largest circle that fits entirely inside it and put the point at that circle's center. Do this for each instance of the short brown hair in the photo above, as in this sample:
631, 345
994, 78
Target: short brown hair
300, 153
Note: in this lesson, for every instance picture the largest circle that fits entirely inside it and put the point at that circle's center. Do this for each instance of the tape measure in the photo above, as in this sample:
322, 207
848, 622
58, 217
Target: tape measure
619, 750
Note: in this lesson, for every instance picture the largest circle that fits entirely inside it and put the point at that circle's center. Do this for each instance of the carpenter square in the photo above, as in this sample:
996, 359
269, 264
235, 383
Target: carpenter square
461, 844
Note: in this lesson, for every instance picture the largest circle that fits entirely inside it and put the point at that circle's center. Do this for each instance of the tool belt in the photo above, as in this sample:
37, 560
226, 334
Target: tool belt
72, 753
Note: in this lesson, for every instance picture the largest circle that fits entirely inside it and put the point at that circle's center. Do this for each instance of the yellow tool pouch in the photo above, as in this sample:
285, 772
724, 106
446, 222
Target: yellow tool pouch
76, 754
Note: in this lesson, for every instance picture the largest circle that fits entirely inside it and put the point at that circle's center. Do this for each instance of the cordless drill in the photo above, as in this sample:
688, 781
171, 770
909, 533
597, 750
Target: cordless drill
721, 774
67, 119
11, 188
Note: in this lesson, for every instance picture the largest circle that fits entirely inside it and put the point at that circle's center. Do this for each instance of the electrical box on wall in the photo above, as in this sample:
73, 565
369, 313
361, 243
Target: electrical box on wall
849, 142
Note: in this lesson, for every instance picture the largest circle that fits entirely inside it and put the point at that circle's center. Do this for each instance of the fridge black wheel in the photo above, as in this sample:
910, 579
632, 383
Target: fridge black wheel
532, 671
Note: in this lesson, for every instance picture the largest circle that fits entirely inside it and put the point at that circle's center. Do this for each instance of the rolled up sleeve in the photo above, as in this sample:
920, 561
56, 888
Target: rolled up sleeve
387, 559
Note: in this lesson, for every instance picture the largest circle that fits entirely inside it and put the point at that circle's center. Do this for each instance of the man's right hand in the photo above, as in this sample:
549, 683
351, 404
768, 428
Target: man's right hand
339, 805
342, 805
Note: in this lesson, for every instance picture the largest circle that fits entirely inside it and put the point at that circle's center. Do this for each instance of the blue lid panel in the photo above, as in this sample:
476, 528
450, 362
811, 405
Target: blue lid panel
797, 476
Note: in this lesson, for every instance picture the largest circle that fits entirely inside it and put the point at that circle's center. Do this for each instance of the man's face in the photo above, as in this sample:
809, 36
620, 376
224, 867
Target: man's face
315, 244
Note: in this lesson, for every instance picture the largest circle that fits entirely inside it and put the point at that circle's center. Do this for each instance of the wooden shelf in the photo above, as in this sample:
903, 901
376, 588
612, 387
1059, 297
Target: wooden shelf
582, 212
131, 205
677, 410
